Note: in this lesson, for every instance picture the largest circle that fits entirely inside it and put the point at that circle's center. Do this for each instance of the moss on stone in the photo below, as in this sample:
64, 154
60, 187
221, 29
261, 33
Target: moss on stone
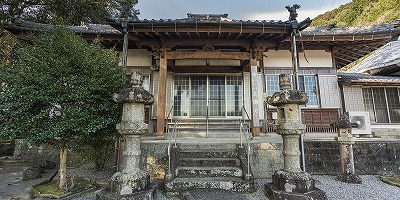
392, 180
48, 189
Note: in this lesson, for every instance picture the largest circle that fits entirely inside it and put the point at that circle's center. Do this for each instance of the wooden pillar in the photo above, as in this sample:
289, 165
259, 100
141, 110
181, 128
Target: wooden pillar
254, 84
162, 98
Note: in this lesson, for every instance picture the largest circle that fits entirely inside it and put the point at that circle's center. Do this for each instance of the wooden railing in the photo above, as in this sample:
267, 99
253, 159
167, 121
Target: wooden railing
311, 129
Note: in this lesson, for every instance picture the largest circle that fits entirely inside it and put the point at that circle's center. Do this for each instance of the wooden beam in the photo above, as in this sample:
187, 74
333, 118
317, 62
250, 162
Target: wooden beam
177, 55
162, 97
212, 29
346, 55
343, 59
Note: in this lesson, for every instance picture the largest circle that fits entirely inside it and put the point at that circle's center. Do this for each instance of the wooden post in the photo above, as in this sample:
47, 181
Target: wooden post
255, 117
161, 98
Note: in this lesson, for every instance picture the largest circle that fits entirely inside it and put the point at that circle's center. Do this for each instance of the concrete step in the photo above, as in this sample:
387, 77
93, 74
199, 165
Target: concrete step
226, 183
209, 162
209, 147
191, 172
207, 153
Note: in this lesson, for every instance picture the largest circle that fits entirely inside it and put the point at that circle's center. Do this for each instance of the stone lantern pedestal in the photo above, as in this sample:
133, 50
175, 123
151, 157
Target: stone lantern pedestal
346, 141
131, 182
290, 182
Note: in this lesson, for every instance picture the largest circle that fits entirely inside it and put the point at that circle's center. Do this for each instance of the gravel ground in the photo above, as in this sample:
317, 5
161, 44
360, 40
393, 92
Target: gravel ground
372, 188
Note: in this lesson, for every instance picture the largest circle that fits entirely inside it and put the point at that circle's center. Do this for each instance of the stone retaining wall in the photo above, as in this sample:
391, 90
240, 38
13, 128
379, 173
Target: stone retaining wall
266, 158
369, 158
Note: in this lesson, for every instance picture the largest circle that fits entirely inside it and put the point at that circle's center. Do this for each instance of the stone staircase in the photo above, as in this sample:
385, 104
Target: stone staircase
206, 166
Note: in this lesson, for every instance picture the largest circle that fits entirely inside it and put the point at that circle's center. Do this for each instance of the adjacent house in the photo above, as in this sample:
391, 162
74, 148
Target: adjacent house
372, 86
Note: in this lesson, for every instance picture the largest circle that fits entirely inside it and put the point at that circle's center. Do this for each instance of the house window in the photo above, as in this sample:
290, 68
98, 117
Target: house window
272, 84
146, 82
383, 104
307, 84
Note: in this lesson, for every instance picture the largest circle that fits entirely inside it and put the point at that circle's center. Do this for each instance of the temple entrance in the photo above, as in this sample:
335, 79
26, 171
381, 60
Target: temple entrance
213, 96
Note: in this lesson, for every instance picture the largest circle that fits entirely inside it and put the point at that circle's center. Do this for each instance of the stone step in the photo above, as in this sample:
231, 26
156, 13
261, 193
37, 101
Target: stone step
209, 162
226, 183
191, 172
206, 153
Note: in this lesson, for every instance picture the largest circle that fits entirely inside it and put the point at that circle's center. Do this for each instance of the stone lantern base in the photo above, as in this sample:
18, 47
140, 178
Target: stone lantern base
147, 194
349, 178
293, 186
130, 186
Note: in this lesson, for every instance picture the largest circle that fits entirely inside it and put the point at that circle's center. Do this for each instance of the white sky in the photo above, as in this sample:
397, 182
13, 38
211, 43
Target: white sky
237, 9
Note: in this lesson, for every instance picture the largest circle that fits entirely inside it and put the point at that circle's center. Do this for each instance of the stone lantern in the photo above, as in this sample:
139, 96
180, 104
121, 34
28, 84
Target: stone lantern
131, 182
290, 182
346, 141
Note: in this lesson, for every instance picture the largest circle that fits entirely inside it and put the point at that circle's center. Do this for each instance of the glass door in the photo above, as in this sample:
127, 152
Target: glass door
198, 97
216, 96
222, 93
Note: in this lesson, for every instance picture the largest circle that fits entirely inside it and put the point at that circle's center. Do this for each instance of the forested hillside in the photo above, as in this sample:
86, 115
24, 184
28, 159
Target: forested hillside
361, 12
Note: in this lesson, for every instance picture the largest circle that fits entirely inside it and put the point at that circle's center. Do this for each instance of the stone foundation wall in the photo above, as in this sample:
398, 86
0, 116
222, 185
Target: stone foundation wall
369, 158
27, 152
266, 158
389, 133
154, 159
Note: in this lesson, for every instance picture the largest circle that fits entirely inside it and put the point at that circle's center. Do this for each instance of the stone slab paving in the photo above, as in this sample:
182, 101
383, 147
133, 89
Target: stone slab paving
11, 184
212, 194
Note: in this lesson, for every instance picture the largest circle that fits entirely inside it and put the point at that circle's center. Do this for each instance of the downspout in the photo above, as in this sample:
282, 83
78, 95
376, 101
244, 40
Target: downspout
124, 24
295, 64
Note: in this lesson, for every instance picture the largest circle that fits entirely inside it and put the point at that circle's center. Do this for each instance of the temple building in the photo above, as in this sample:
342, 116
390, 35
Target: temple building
209, 73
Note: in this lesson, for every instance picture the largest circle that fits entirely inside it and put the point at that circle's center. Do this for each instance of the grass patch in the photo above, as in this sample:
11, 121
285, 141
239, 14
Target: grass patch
391, 180
51, 190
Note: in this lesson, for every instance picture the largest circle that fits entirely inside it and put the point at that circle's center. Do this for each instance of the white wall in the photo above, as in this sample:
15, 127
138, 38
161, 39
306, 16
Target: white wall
138, 57
202, 62
283, 58
329, 91
353, 98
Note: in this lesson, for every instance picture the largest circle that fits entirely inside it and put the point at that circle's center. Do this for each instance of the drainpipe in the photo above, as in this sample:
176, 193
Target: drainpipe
295, 64
117, 147
124, 24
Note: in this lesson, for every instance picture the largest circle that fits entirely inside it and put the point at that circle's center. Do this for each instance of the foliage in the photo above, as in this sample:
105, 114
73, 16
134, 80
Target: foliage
96, 150
361, 12
68, 12
7, 43
60, 87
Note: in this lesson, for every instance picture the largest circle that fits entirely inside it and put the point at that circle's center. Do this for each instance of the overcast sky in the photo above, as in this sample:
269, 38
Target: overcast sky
237, 9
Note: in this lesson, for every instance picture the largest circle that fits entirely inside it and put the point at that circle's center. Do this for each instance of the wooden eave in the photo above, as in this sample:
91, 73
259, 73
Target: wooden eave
347, 48
181, 34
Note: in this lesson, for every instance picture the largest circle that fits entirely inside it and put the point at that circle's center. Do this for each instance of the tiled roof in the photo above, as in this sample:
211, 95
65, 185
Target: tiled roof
359, 78
209, 18
222, 18
385, 56
84, 29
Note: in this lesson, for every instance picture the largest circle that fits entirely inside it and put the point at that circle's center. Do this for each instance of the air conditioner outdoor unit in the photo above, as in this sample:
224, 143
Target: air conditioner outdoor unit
362, 120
